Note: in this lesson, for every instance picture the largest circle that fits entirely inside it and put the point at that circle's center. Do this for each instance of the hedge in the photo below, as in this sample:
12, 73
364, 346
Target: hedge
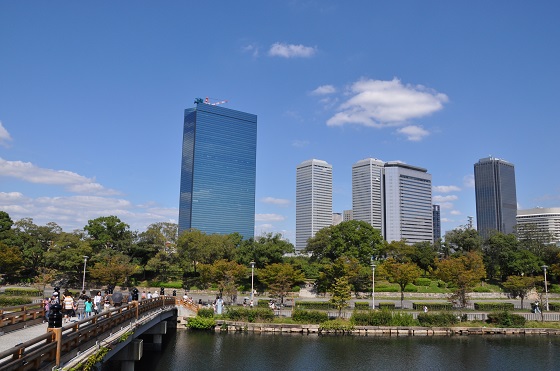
205, 312
309, 316
11, 301
249, 315
432, 306
385, 288
422, 282
361, 305
555, 307
388, 306
410, 288
201, 323
493, 306
321, 305
22, 292
382, 318
437, 319
166, 285
506, 319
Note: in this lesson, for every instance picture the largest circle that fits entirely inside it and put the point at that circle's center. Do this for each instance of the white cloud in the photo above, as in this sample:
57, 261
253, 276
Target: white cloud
269, 218
74, 212
468, 181
413, 133
4, 135
446, 189
253, 49
291, 51
446, 205
378, 103
275, 201
445, 198
300, 143
455, 212
324, 90
72, 182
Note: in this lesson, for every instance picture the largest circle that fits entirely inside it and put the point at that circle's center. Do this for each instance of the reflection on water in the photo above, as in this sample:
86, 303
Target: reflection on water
248, 351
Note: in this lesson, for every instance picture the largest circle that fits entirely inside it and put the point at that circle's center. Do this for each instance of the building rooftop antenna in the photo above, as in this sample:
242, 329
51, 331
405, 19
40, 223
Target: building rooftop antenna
210, 101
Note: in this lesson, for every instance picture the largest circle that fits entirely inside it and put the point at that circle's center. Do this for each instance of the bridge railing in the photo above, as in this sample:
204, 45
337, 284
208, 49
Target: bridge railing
59, 345
19, 316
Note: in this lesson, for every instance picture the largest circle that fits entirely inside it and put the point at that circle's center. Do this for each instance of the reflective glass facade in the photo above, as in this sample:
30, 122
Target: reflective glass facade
496, 197
218, 171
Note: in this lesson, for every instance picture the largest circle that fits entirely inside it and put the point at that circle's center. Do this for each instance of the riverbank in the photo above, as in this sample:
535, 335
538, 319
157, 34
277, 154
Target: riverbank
307, 329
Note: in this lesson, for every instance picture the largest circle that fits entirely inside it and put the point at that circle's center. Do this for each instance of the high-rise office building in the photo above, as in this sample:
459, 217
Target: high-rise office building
313, 200
218, 171
408, 203
496, 198
347, 215
539, 223
367, 192
437, 222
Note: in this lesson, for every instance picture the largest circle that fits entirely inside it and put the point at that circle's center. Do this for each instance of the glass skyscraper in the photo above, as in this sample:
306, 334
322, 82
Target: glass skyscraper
496, 197
218, 171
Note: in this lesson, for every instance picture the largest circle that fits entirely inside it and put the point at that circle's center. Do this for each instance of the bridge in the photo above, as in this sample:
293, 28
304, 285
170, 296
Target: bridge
118, 334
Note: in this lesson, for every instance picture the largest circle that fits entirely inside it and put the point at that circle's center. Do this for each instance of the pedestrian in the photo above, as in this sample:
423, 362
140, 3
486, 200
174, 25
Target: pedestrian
143, 294
88, 308
106, 301
425, 309
97, 302
68, 307
149, 295
47, 307
81, 307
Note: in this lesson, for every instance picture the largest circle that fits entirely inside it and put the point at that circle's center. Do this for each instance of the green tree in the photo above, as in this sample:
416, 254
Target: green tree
519, 286
11, 261
34, 241
400, 273
424, 255
463, 272
196, 247
463, 240
352, 238
113, 269
157, 238
109, 232
340, 294
6, 224
279, 279
266, 249
225, 274
66, 255
358, 276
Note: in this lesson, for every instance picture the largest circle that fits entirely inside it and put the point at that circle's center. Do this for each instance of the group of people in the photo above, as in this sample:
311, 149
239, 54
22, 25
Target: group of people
81, 306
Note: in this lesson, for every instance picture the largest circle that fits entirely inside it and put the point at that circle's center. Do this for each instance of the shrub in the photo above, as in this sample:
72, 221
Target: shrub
437, 319
432, 306
493, 306
506, 319
321, 305
388, 306
166, 285
423, 282
410, 288
372, 318
249, 315
361, 305
482, 289
441, 284
22, 292
403, 319
306, 316
386, 288
337, 325
555, 307
10, 301
206, 312
201, 323
296, 289
554, 288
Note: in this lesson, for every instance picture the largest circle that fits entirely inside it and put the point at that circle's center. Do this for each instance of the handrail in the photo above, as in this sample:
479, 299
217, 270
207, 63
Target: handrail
10, 317
66, 341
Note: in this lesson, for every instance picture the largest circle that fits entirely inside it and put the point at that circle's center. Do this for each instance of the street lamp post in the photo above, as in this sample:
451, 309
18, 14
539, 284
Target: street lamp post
252, 280
84, 278
544, 267
372, 284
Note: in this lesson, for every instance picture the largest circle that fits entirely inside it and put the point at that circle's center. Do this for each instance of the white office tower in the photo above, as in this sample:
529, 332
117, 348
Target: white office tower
367, 192
542, 224
408, 203
313, 200
347, 215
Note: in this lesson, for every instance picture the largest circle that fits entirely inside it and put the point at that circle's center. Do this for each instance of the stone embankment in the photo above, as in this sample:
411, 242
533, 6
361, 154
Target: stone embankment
230, 326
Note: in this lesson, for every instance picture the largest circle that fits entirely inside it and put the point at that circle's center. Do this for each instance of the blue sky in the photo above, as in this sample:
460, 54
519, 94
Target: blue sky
92, 97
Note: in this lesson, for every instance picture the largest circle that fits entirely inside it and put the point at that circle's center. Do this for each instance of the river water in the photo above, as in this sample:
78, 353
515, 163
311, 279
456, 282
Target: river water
187, 350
